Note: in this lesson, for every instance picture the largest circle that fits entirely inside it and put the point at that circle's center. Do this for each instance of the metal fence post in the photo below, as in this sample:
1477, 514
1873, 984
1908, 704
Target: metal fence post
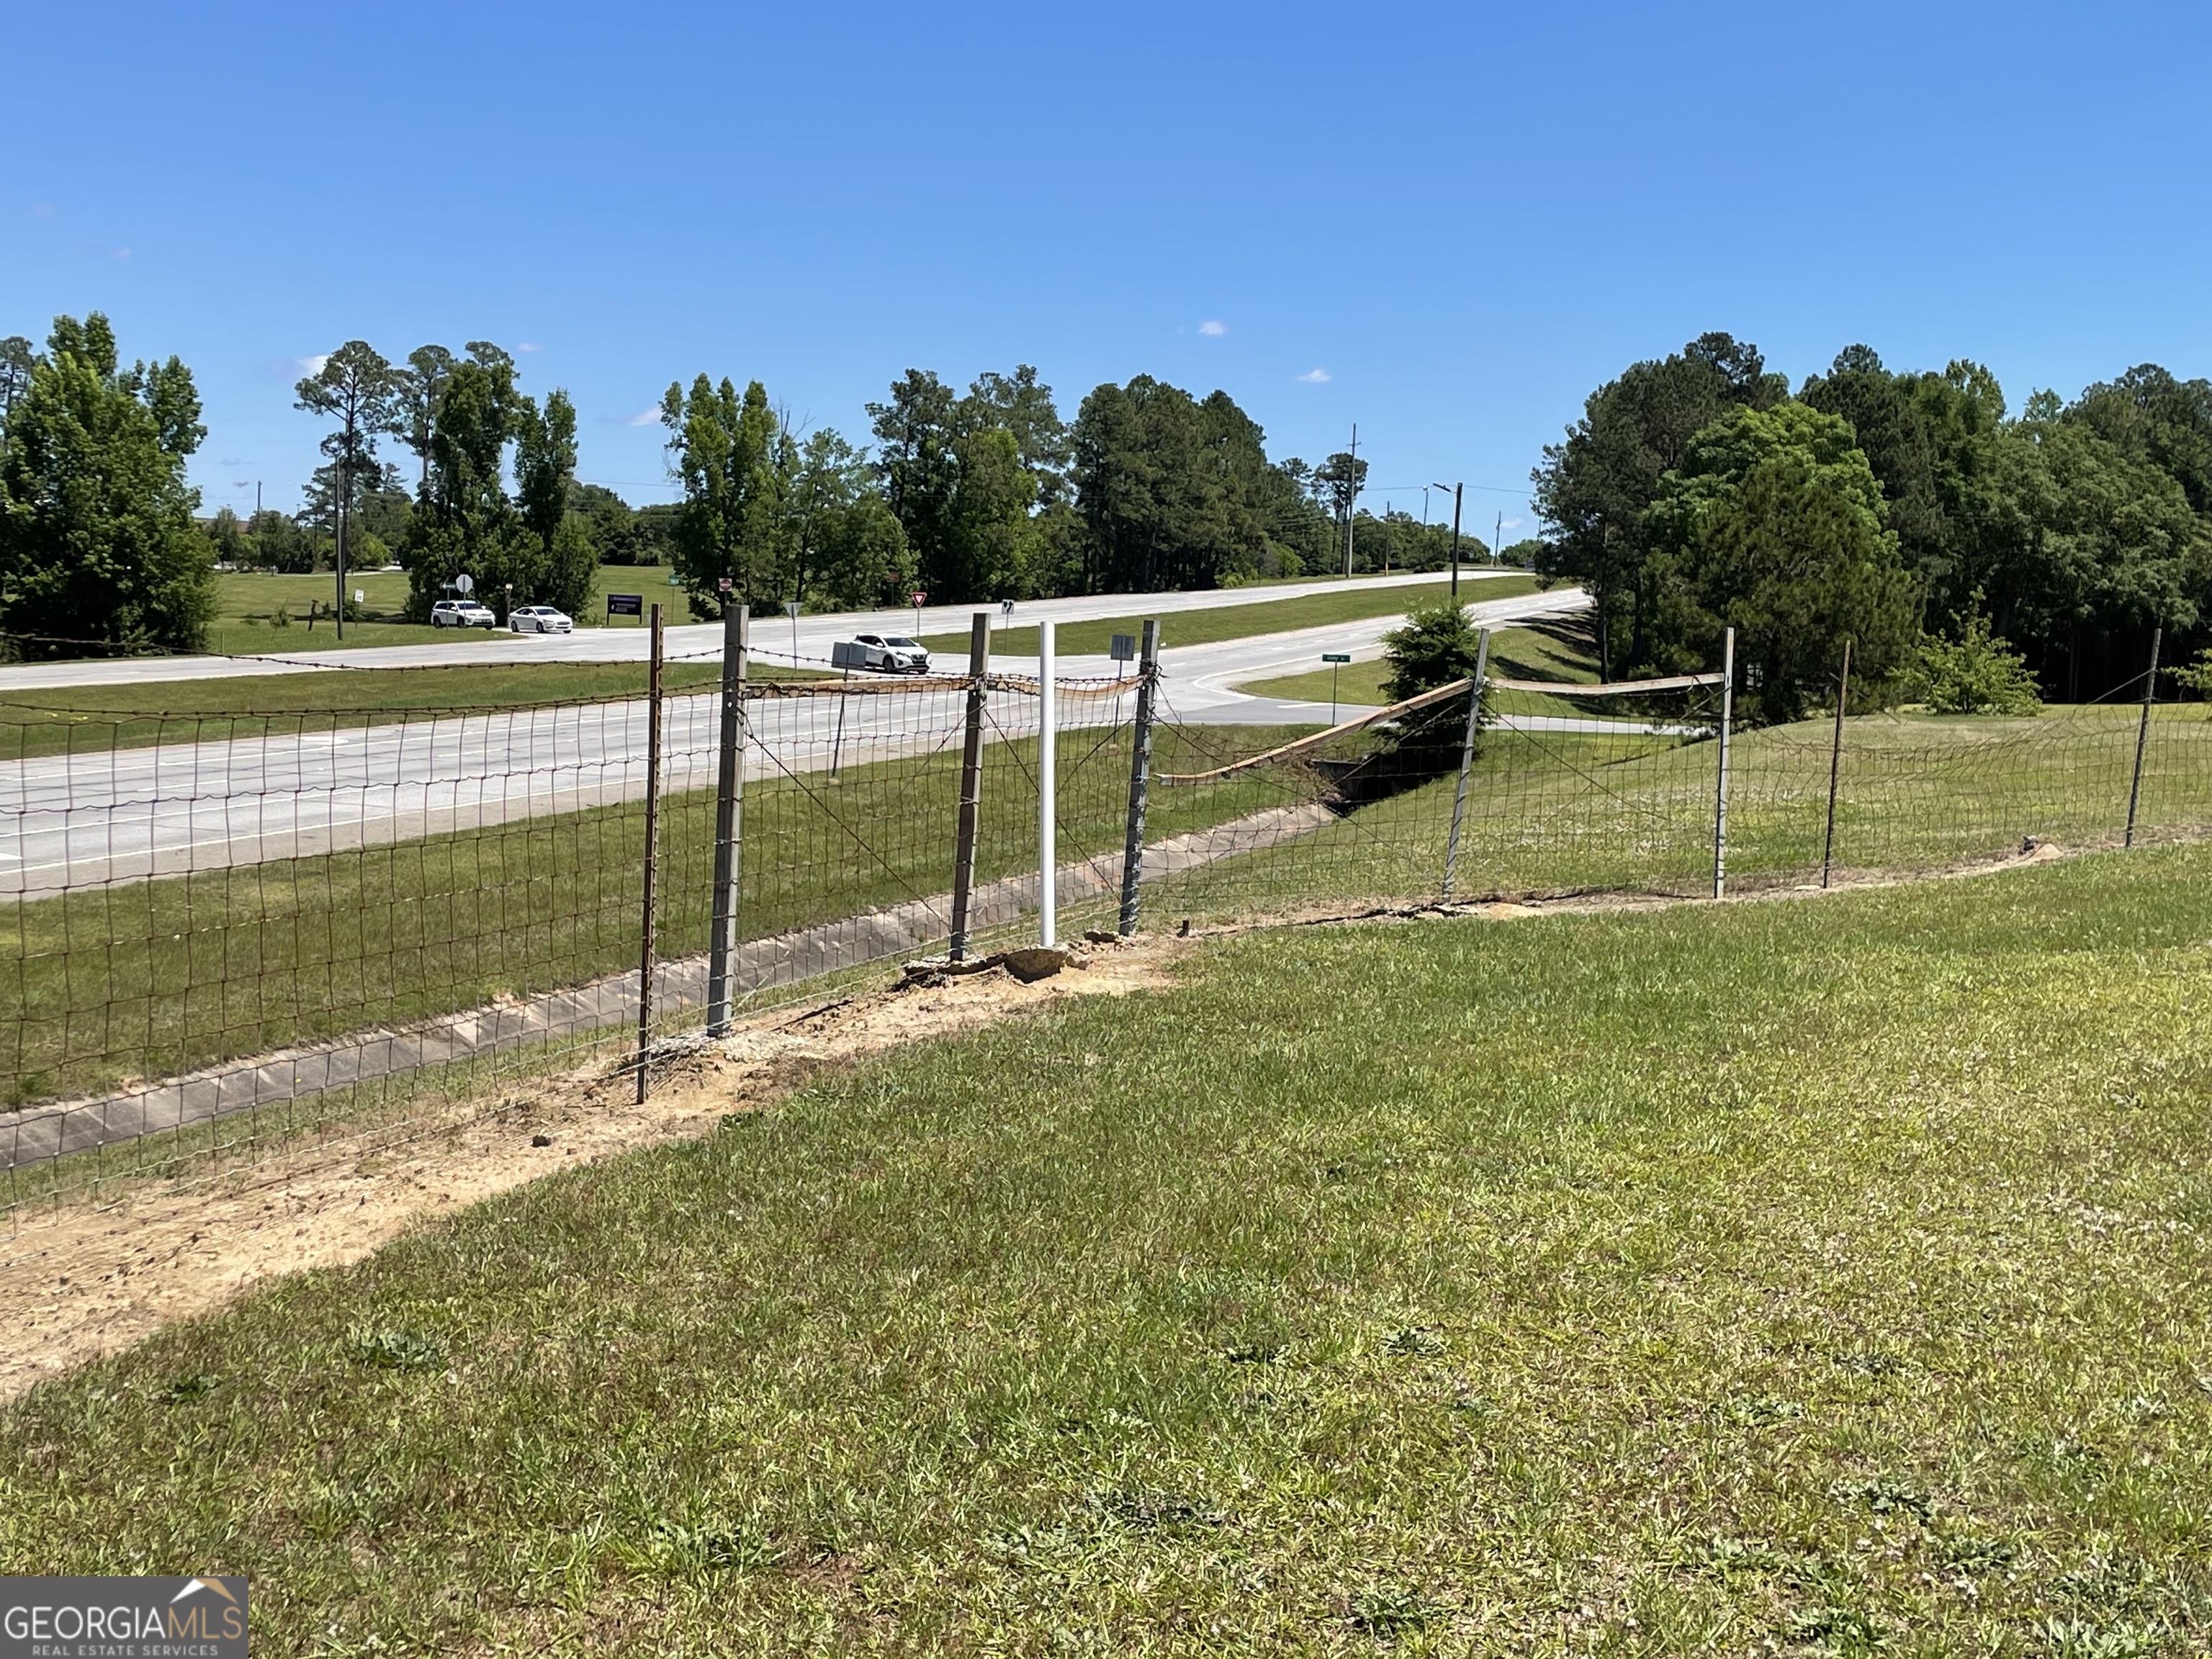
1835, 767
652, 856
1466, 758
729, 819
1720, 790
1141, 778
971, 781
2143, 732
1048, 788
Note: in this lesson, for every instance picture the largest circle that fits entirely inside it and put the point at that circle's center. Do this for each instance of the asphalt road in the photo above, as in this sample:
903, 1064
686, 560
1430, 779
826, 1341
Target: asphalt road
79, 820
773, 637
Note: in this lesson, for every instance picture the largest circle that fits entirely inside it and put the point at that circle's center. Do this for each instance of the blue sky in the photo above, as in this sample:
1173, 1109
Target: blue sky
1463, 217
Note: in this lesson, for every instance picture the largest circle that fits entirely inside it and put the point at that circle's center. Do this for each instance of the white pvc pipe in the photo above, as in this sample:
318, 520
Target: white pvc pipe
1048, 785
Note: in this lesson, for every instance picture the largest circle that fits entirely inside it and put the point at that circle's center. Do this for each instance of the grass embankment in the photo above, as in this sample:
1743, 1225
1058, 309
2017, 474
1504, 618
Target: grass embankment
1236, 621
1560, 649
1822, 1277
92, 720
150, 979
1556, 811
248, 602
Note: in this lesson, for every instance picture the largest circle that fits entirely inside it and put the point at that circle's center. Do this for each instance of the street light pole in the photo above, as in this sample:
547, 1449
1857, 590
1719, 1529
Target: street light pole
1459, 492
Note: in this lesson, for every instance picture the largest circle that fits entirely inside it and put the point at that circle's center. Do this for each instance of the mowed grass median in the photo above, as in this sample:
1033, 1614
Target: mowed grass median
1818, 1276
150, 979
1236, 622
92, 720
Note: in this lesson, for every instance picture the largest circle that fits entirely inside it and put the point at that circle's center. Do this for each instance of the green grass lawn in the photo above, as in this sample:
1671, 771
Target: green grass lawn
1547, 811
249, 601
1236, 622
1813, 1277
1551, 650
152, 979
89, 720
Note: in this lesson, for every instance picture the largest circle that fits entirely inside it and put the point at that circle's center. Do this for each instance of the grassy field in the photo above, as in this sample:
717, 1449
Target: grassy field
89, 720
248, 603
1553, 650
1822, 1277
150, 979
1236, 622
1549, 812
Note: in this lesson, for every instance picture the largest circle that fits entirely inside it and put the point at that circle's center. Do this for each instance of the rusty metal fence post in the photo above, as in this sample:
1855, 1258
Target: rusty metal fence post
1141, 778
729, 817
971, 781
652, 856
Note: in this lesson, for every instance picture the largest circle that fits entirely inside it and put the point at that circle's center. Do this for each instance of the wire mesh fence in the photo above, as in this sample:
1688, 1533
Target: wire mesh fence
226, 935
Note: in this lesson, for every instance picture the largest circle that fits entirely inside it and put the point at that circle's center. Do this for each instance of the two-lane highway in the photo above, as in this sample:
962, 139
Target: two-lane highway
75, 820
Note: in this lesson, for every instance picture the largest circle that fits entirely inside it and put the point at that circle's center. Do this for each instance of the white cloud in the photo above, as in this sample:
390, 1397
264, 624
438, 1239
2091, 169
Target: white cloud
1514, 523
314, 365
529, 345
122, 253
1213, 327
1314, 377
645, 417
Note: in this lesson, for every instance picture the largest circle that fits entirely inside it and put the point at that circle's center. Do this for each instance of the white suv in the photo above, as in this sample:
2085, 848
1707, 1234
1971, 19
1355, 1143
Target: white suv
886, 653
462, 613
539, 619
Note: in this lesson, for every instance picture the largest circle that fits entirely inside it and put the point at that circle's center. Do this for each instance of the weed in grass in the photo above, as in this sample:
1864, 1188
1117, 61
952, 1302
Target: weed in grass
1843, 1629
1389, 1611
2077, 1639
1884, 1495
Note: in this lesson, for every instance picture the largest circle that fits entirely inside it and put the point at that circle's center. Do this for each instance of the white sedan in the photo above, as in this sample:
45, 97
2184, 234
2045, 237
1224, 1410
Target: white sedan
538, 619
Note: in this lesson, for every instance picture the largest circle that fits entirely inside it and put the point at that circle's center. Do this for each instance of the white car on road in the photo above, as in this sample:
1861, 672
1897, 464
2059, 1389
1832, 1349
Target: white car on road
538, 619
886, 653
462, 613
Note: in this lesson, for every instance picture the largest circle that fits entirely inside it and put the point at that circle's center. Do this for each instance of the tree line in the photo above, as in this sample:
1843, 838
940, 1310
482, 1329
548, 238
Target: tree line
972, 496
1909, 513
989, 494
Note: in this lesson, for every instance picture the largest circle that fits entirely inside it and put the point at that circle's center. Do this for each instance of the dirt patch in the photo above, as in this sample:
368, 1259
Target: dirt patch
83, 1284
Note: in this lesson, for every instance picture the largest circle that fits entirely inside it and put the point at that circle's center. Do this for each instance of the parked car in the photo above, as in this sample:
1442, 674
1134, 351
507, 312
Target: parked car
462, 613
538, 619
886, 653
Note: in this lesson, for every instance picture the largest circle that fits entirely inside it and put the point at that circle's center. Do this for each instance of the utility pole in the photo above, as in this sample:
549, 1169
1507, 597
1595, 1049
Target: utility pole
1351, 497
1459, 495
1496, 535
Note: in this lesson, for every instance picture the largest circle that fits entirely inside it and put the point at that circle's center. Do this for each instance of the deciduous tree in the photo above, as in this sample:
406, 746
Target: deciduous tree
730, 523
97, 536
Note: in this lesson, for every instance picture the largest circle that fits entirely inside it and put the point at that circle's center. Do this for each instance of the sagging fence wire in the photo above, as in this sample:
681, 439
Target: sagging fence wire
231, 935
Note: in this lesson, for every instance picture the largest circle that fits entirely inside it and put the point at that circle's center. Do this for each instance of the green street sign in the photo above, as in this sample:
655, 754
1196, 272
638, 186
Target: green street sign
1333, 656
